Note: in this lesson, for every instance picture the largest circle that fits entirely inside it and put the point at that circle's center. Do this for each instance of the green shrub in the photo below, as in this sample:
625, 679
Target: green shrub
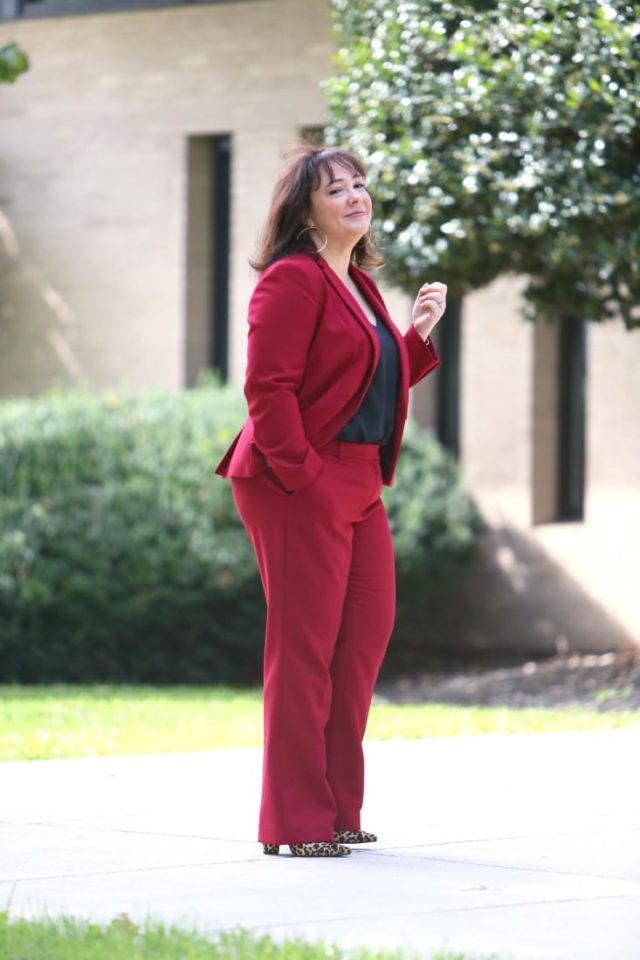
121, 554
434, 523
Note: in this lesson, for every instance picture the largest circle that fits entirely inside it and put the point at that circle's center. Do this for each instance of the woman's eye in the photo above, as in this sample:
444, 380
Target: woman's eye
339, 189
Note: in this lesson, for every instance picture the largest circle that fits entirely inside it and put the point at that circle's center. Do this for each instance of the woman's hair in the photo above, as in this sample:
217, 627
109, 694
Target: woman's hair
289, 212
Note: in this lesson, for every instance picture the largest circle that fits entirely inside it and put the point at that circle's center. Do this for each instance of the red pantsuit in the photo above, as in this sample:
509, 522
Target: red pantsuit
326, 561
311, 507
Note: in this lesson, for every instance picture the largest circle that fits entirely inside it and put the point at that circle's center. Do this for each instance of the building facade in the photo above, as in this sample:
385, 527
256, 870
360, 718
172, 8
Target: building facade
137, 157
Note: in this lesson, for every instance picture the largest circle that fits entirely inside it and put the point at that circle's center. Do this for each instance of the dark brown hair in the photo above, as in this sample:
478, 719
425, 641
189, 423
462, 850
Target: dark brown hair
290, 204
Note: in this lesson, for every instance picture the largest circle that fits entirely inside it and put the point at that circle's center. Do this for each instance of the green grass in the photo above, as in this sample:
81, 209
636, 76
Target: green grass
68, 939
65, 721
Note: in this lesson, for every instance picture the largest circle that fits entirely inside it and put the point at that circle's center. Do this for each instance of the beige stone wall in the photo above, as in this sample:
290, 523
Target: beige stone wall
495, 429
93, 177
613, 407
509, 398
545, 427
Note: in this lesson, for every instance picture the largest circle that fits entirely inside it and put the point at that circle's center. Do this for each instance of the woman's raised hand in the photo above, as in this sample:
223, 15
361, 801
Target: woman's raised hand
430, 304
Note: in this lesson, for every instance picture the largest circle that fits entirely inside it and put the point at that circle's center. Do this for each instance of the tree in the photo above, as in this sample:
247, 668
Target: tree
501, 136
13, 62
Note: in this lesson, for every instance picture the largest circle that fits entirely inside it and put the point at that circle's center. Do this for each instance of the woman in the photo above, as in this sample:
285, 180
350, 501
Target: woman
327, 386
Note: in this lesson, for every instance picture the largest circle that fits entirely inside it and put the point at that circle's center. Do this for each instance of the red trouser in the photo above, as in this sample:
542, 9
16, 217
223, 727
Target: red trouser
326, 561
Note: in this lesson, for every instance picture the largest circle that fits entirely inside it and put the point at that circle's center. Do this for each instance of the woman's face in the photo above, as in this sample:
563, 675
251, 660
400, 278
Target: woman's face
341, 207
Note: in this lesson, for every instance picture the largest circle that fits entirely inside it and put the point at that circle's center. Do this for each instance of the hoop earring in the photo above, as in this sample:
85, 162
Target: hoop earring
310, 227
326, 241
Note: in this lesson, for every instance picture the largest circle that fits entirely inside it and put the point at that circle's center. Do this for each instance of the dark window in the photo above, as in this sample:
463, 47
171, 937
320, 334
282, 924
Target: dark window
571, 418
208, 198
13, 9
220, 240
448, 382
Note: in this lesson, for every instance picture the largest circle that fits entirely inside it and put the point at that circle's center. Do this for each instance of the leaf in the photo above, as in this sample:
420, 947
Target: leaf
13, 62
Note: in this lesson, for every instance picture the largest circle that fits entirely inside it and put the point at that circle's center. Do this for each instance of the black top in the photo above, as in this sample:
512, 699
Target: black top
375, 418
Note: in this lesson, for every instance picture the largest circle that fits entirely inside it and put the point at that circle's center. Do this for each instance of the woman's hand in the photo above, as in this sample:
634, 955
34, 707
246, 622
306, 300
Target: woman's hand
430, 304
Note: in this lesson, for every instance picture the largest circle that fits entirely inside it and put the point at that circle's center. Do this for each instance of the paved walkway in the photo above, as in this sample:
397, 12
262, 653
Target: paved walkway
528, 846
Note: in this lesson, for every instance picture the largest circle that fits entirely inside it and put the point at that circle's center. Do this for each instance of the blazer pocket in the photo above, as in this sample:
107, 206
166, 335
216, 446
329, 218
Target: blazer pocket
272, 477
257, 460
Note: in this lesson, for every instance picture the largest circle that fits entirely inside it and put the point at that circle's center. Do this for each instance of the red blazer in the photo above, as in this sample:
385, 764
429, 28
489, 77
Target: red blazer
311, 356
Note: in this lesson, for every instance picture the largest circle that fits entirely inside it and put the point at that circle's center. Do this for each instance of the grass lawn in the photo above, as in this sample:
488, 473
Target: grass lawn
66, 721
67, 939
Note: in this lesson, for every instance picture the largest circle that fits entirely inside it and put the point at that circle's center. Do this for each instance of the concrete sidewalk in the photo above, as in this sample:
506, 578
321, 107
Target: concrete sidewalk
525, 845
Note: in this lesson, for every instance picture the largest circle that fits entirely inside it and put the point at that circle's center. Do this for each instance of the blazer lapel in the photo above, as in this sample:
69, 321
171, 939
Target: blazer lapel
370, 293
350, 302
369, 290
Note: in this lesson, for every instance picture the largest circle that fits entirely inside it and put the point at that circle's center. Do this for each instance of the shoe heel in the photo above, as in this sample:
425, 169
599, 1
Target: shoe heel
319, 849
271, 849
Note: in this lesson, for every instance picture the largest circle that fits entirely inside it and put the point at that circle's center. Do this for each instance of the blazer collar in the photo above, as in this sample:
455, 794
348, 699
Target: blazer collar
374, 302
370, 292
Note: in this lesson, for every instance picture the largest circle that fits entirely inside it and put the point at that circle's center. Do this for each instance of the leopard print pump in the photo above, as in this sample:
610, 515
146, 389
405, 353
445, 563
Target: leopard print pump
354, 836
320, 848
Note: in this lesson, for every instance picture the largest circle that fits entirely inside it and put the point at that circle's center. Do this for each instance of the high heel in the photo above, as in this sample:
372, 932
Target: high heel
320, 848
354, 836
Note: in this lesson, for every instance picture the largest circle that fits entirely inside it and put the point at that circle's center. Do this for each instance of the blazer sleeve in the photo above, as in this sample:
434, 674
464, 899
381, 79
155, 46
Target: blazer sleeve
283, 314
423, 356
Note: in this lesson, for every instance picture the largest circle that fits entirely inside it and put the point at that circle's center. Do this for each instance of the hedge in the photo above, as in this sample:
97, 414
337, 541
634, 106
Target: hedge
121, 555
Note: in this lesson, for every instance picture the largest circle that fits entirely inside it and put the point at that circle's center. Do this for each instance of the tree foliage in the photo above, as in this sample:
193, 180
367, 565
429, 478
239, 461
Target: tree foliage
501, 136
13, 62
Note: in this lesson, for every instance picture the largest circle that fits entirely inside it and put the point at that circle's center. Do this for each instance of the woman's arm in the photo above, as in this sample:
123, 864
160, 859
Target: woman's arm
283, 314
429, 306
423, 356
